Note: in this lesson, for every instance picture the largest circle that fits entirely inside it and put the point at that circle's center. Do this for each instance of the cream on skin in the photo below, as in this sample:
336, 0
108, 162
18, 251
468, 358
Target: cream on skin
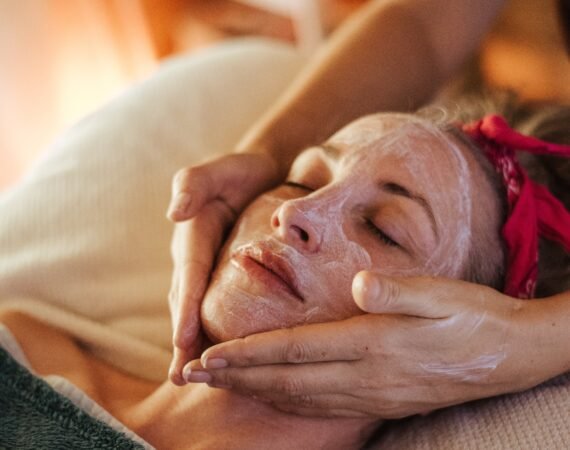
389, 192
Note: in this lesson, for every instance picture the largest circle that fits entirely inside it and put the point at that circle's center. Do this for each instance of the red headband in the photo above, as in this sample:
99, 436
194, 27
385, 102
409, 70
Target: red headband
533, 210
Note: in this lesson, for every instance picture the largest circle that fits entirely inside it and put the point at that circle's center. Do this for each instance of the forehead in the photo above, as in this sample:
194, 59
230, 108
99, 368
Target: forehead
403, 137
385, 129
412, 153
423, 159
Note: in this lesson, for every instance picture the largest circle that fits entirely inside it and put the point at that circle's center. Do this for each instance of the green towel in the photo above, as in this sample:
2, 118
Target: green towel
34, 416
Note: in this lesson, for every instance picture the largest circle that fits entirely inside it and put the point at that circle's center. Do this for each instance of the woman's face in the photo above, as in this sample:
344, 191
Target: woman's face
388, 192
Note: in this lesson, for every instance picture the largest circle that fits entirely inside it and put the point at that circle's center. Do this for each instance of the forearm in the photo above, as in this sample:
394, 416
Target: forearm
391, 55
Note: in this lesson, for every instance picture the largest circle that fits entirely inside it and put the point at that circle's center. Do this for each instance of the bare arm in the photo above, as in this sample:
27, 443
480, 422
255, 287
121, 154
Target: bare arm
391, 55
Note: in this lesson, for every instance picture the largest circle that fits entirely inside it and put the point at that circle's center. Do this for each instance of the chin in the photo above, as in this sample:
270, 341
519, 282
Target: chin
218, 326
228, 314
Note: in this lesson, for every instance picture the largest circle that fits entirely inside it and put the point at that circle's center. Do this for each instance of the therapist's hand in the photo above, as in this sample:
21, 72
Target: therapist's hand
206, 201
440, 342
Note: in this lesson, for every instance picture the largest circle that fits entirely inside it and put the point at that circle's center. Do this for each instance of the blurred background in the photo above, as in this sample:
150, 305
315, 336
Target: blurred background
60, 59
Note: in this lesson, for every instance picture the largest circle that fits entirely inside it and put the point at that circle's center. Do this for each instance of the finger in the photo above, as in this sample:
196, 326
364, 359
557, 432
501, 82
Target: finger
179, 359
279, 380
425, 297
233, 178
332, 341
318, 412
322, 405
194, 250
192, 188
346, 406
314, 390
193, 268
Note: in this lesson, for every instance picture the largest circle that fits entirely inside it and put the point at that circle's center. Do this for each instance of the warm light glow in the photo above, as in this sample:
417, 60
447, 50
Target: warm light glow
61, 59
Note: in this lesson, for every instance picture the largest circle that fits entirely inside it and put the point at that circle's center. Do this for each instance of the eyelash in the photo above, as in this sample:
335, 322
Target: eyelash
380, 234
297, 185
369, 224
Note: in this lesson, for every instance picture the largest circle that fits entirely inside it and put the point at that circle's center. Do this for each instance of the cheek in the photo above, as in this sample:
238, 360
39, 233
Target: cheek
230, 312
328, 276
234, 307
253, 224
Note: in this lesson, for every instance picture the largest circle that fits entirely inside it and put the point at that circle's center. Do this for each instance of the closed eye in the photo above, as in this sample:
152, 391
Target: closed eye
298, 186
380, 234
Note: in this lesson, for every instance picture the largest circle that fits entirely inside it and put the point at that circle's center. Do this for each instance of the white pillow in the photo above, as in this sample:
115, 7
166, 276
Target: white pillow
84, 243
534, 419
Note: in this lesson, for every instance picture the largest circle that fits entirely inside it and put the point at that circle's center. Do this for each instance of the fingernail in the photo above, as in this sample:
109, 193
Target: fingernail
215, 363
365, 287
180, 204
197, 376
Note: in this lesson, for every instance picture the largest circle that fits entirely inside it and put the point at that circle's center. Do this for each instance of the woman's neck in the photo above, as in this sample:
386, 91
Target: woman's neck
197, 416
168, 416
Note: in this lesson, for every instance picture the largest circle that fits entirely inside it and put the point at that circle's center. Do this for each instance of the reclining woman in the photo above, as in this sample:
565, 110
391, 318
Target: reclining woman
397, 193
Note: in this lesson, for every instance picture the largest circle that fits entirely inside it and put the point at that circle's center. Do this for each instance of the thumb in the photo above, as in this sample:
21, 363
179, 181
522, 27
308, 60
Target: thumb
425, 297
235, 179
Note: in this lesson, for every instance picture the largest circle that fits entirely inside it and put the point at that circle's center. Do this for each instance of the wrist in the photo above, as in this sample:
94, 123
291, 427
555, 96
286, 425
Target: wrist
542, 334
263, 142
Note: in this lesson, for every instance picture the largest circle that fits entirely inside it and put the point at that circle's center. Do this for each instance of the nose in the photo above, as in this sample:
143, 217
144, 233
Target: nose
295, 226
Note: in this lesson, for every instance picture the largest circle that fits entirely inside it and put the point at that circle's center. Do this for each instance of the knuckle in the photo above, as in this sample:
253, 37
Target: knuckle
295, 352
227, 377
306, 401
187, 177
366, 385
186, 331
180, 177
179, 341
290, 386
391, 294
227, 211
247, 351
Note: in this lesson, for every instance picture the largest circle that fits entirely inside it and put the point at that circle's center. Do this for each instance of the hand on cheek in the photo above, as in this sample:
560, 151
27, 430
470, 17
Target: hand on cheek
438, 343
206, 200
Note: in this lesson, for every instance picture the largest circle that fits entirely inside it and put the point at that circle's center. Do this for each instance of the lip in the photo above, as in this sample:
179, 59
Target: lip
270, 268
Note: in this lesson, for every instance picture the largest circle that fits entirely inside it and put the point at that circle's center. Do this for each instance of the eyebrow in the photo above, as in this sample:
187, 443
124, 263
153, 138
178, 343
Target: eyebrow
390, 187
397, 189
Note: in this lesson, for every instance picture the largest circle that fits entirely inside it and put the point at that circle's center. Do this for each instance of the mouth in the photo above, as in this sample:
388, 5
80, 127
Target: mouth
269, 268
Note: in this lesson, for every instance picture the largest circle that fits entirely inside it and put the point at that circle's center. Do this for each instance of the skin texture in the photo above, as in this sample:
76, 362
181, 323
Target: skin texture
315, 225
437, 343
168, 417
388, 192
331, 369
408, 40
